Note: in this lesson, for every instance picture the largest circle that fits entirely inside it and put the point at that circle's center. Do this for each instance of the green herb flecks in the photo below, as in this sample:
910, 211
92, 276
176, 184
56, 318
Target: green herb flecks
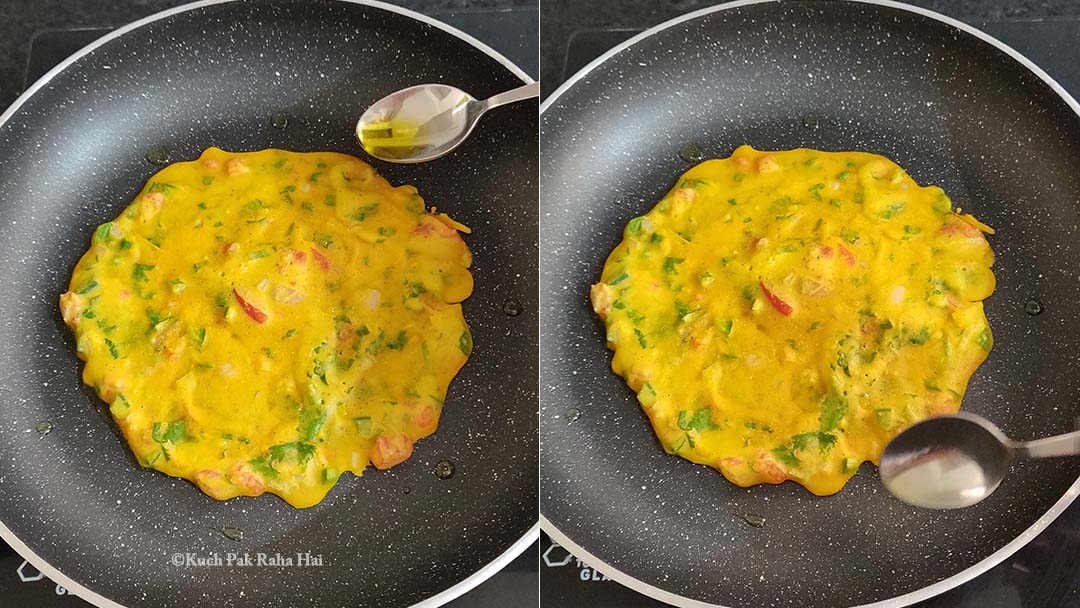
786, 455
670, 265
88, 288
262, 467
363, 426
833, 409
311, 420
619, 279
364, 211
399, 342
138, 272
817, 442
921, 337
174, 432
104, 233
892, 210
641, 338
294, 452
884, 418
465, 343
985, 339
699, 420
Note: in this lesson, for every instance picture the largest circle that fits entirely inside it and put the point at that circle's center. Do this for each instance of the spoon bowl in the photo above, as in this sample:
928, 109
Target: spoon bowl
949, 462
946, 462
427, 121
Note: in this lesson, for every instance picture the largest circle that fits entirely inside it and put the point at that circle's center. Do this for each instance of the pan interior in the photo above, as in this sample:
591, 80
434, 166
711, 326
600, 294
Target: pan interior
953, 111
231, 75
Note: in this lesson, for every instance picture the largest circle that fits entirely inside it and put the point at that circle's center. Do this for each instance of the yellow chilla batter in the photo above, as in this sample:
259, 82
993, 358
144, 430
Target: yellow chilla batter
783, 315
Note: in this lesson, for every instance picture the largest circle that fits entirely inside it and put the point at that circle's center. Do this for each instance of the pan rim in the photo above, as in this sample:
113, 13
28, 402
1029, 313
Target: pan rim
446, 595
899, 601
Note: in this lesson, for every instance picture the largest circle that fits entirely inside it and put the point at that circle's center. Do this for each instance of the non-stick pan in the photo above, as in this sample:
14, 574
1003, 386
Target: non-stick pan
951, 105
243, 76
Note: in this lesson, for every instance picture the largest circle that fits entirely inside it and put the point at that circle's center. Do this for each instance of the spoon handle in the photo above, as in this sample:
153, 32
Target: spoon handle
526, 92
1061, 445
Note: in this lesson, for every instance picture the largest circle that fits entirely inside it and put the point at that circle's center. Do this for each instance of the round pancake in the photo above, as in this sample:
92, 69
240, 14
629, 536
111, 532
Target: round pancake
783, 315
264, 321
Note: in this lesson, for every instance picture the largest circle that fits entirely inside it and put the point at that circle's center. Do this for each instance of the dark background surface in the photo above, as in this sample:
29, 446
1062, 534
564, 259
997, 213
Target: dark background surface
21, 585
20, 19
559, 19
1043, 574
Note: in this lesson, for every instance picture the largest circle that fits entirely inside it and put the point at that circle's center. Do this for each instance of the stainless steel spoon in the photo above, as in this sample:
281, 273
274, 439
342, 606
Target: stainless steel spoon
424, 122
950, 462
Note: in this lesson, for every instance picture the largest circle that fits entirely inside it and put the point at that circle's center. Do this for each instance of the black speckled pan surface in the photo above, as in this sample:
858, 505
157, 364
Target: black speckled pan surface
954, 110
72, 156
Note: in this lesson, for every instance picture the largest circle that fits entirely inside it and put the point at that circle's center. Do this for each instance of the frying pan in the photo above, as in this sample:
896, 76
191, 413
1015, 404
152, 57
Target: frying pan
951, 105
72, 154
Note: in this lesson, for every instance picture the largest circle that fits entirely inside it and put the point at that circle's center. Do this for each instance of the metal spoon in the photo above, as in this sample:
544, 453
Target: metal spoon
950, 462
424, 122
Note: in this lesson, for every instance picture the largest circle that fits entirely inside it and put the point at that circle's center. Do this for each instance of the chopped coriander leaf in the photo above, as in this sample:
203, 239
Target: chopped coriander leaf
103, 234
262, 467
363, 426
312, 419
641, 338
700, 420
818, 442
174, 432
138, 272
364, 211
398, 342
619, 279
786, 455
884, 418
465, 343
670, 265
88, 288
833, 410
113, 350
294, 452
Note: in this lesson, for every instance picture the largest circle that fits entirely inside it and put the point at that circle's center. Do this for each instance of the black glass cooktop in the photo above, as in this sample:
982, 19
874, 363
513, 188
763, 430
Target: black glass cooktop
1046, 572
512, 32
